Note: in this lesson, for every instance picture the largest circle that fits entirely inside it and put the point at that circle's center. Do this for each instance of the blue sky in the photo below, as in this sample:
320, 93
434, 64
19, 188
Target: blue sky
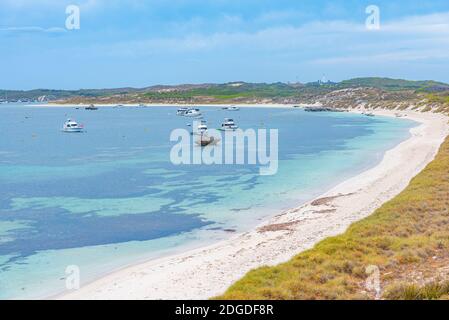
140, 43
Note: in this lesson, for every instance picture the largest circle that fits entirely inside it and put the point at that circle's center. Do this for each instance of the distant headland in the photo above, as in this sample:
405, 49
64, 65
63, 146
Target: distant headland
369, 92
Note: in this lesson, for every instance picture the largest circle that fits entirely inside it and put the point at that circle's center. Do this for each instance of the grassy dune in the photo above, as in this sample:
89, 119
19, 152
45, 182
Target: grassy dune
407, 238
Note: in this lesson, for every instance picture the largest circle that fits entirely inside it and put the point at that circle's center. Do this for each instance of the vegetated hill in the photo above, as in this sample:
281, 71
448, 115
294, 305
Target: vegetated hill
407, 239
394, 84
14, 95
368, 92
230, 91
234, 92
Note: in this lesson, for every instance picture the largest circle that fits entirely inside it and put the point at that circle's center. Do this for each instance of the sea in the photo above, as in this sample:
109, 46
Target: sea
111, 196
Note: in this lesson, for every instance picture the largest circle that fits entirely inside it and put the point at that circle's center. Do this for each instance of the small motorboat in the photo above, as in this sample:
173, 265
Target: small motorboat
205, 140
193, 113
181, 111
72, 126
233, 108
368, 114
91, 107
201, 129
228, 125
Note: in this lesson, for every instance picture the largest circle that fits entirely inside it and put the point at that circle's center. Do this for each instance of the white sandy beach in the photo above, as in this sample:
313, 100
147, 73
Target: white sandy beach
207, 272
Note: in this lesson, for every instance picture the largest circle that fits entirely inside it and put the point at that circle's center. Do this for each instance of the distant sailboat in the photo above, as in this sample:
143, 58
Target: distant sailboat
6, 97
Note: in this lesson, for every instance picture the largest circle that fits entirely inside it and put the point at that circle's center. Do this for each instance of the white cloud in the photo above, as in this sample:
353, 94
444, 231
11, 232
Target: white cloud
33, 29
407, 39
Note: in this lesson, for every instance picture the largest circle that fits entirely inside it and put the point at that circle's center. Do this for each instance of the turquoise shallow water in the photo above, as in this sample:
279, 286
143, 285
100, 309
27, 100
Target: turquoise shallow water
110, 197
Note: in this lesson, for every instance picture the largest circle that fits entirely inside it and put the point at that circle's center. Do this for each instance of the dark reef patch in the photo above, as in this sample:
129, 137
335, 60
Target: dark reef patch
53, 229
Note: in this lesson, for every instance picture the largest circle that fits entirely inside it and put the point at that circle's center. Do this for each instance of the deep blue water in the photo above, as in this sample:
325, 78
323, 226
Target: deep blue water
110, 196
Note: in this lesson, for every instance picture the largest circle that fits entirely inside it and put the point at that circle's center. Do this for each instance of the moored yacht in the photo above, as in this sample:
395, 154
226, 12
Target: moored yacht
232, 108
193, 113
72, 126
202, 128
228, 125
91, 107
181, 111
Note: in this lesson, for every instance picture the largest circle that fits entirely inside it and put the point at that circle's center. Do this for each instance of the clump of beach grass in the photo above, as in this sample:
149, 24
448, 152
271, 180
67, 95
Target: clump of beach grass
408, 233
430, 291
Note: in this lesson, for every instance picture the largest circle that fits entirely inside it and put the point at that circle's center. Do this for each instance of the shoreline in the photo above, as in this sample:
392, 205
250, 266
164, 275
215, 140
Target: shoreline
175, 105
209, 271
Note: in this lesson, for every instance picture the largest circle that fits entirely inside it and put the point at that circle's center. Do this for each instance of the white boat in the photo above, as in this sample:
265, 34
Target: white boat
181, 111
72, 126
201, 129
193, 113
228, 125
233, 108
